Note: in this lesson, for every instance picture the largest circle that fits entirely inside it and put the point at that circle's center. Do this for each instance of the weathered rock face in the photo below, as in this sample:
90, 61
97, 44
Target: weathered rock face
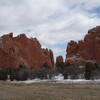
59, 59
18, 50
85, 50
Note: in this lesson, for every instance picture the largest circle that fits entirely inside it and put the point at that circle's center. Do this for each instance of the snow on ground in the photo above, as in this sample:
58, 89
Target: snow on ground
78, 81
58, 79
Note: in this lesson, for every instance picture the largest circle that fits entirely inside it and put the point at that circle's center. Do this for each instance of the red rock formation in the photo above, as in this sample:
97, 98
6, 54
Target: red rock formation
17, 50
85, 50
59, 59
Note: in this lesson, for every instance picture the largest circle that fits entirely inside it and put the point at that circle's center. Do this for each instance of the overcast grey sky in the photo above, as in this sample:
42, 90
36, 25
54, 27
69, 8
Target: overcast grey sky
53, 22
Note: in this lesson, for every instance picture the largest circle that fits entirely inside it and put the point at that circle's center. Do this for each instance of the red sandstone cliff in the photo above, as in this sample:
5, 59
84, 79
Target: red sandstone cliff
85, 50
17, 50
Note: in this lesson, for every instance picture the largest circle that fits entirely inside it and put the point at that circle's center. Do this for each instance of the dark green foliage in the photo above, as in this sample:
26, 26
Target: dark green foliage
91, 71
33, 73
72, 71
89, 68
22, 66
60, 66
12, 73
95, 71
3, 74
69, 70
22, 73
97, 66
67, 64
45, 66
44, 72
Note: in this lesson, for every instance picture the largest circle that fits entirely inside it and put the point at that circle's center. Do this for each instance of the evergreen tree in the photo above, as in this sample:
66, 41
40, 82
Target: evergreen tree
89, 67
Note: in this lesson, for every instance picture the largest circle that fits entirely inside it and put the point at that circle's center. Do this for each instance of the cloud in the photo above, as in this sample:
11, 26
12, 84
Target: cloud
53, 22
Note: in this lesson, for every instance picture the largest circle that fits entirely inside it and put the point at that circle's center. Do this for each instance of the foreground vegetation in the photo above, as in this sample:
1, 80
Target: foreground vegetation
49, 91
90, 71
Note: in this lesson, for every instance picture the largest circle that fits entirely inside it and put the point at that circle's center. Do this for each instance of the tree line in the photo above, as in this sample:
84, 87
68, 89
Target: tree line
69, 71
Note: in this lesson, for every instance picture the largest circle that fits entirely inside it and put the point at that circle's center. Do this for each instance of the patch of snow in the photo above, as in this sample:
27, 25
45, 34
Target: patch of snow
58, 81
59, 77
30, 81
77, 81
75, 58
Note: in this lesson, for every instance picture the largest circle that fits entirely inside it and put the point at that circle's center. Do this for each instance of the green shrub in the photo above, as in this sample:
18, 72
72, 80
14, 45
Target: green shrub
3, 74
89, 68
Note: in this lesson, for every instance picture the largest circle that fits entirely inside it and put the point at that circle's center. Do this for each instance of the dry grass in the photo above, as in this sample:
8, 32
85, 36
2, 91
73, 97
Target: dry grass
49, 91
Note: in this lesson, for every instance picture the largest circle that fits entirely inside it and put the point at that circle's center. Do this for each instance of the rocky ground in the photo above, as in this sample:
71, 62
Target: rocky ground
49, 91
